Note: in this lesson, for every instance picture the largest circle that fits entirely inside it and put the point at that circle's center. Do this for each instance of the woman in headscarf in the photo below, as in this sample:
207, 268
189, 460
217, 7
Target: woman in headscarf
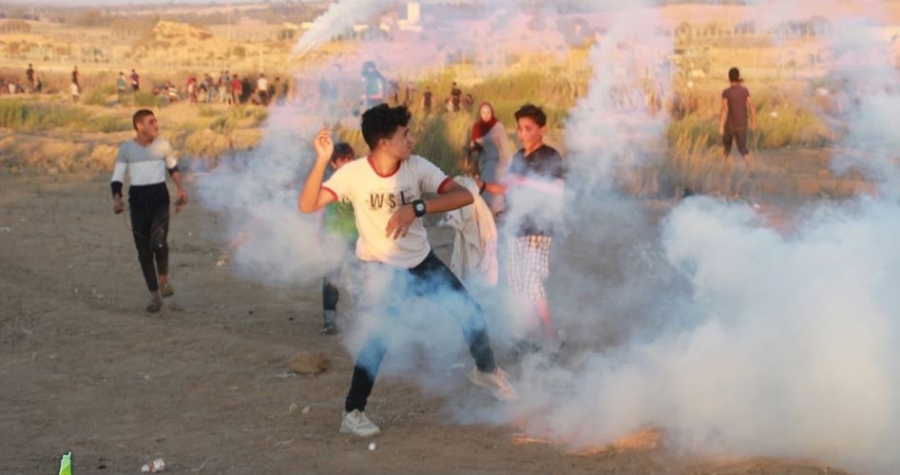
489, 137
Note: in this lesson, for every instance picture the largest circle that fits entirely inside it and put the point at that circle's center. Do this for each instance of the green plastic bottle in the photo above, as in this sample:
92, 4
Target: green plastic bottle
65, 464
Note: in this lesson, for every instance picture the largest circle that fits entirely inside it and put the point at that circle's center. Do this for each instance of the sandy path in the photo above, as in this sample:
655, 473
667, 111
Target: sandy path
204, 384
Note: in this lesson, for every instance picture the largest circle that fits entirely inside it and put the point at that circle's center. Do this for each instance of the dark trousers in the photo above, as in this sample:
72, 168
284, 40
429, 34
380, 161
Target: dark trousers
330, 293
150, 228
330, 296
732, 135
430, 278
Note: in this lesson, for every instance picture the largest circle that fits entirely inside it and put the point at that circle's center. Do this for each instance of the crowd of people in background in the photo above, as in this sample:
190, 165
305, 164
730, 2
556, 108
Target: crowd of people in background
377, 89
226, 88
32, 83
232, 89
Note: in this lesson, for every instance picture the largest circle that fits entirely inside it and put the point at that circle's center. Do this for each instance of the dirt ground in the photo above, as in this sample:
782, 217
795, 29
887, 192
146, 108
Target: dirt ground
204, 384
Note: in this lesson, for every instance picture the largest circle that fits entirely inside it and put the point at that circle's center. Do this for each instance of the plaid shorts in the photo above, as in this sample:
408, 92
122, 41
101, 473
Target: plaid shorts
528, 265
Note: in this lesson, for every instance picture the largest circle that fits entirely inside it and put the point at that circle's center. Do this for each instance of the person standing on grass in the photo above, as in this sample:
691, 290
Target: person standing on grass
387, 191
236, 89
146, 158
456, 97
733, 124
135, 81
246, 90
262, 90
191, 87
533, 182
375, 86
489, 136
410, 93
427, 100
29, 75
224, 87
75, 86
211, 91
120, 85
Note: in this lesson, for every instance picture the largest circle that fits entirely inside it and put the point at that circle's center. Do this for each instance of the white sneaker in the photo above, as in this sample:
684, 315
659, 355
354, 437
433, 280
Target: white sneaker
356, 423
497, 382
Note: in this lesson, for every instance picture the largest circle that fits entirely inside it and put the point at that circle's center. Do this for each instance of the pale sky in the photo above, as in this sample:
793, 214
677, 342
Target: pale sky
119, 3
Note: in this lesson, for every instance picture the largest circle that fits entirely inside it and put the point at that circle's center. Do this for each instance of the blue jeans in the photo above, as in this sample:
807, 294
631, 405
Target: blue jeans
430, 278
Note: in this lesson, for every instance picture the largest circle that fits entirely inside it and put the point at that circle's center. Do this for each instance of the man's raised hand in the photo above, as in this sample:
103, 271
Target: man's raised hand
323, 144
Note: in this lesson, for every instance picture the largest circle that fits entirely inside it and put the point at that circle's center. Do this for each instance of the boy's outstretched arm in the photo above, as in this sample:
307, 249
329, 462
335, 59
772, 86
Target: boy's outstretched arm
312, 197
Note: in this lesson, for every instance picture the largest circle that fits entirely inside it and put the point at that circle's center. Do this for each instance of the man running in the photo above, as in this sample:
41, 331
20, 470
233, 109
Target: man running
146, 159
387, 190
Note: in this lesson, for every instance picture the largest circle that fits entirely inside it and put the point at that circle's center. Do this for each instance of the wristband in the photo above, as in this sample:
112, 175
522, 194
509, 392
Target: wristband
419, 208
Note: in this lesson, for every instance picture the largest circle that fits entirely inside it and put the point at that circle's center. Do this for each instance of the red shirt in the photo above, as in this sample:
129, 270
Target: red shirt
737, 96
236, 85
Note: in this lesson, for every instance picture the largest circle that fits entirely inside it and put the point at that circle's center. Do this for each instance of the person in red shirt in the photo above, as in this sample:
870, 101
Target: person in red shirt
733, 123
135, 81
236, 90
192, 90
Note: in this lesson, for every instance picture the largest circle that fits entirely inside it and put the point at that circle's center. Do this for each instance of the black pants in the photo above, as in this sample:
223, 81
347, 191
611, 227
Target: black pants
150, 228
429, 278
732, 135
330, 293
330, 296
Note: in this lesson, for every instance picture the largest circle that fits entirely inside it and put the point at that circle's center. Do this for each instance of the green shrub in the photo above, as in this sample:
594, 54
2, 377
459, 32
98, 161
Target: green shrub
107, 124
146, 99
95, 98
207, 111
12, 114
441, 138
17, 114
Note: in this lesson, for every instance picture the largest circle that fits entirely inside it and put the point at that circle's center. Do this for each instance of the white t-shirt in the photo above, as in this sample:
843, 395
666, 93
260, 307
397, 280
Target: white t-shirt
375, 198
262, 85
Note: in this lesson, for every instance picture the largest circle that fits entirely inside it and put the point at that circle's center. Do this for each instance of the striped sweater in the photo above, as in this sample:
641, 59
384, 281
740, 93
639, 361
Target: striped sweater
146, 168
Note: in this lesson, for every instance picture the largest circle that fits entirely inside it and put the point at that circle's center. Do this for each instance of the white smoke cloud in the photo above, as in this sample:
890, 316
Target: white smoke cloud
271, 242
732, 338
791, 354
777, 345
